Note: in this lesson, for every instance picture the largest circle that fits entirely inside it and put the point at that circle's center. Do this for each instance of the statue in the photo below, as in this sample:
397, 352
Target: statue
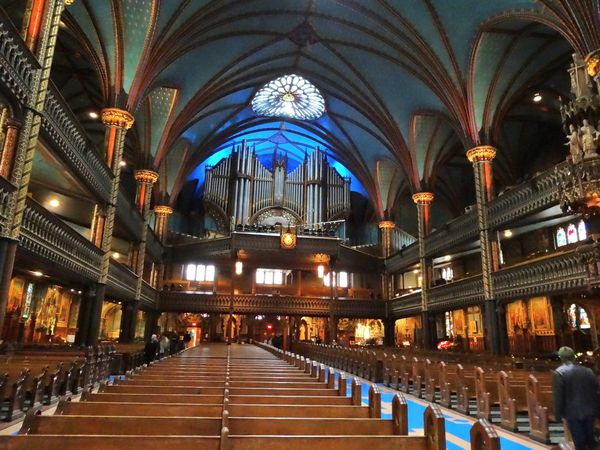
588, 139
574, 144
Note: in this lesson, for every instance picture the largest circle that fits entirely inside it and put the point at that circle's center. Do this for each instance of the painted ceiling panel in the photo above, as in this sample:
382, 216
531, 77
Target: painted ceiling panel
462, 23
137, 16
162, 100
172, 165
100, 28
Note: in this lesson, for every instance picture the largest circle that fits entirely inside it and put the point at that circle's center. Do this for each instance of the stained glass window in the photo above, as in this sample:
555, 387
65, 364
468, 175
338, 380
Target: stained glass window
582, 230
561, 237
572, 234
289, 96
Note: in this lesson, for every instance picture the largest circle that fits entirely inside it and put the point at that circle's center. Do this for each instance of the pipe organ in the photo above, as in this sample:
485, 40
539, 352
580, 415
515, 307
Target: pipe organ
239, 189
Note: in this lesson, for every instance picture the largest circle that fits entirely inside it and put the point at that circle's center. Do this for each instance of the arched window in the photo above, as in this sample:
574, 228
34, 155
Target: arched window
572, 234
582, 230
578, 318
447, 273
561, 237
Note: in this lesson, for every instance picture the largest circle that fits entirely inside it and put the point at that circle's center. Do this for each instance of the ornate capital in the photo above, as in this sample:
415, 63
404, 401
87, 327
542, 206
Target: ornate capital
146, 176
163, 210
386, 224
322, 258
423, 198
116, 117
481, 153
592, 63
69, 2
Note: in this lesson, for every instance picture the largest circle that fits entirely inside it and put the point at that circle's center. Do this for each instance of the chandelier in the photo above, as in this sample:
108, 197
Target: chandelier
289, 96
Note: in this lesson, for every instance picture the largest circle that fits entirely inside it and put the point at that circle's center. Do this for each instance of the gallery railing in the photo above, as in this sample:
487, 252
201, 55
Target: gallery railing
121, 280
46, 236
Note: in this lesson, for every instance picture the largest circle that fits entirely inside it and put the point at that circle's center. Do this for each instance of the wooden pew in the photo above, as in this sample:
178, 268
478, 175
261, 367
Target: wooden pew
448, 383
486, 393
540, 406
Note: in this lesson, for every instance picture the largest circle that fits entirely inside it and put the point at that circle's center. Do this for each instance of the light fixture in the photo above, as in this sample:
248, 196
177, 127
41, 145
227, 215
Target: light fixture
416, 271
447, 258
507, 233
116, 255
122, 163
93, 115
79, 292
239, 266
54, 203
37, 273
537, 97
320, 270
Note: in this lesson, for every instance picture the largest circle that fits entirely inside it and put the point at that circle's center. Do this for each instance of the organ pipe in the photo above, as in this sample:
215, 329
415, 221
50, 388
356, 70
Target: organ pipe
240, 186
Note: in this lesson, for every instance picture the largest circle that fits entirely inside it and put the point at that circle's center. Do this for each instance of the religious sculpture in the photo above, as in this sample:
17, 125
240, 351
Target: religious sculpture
574, 144
588, 136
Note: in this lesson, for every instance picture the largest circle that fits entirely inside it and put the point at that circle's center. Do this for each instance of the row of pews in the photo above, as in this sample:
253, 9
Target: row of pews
517, 399
33, 377
233, 398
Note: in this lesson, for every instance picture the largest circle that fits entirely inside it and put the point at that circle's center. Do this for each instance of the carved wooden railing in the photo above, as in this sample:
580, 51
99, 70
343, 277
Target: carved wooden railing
403, 259
531, 196
46, 236
462, 229
406, 305
121, 280
68, 139
149, 295
457, 294
547, 275
269, 304
17, 64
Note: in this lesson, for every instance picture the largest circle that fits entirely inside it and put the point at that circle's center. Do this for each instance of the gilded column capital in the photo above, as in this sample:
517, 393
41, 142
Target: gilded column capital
116, 117
481, 153
423, 198
592, 63
386, 224
69, 2
163, 210
146, 176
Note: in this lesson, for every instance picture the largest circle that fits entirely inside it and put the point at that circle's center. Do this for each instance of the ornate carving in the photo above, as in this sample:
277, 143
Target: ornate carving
423, 198
389, 224
146, 176
115, 117
481, 153
163, 210
592, 63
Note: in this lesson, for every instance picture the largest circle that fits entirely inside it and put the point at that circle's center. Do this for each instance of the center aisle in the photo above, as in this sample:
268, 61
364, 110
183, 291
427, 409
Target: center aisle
237, 397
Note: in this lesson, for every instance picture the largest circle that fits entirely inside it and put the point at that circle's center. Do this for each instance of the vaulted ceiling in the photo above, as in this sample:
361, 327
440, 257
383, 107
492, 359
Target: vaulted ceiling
409, 85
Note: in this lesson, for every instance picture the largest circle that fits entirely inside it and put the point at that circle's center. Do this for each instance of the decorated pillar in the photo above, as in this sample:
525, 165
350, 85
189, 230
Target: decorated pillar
40, 34
162, 213
116, 122
145, 181
423, 201
481, 157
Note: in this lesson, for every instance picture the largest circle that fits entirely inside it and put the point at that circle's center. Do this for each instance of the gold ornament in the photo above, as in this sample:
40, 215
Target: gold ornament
146, 176
592, 63
423, 198
386, 224
288, 239
115, 117
481, 153
163, 210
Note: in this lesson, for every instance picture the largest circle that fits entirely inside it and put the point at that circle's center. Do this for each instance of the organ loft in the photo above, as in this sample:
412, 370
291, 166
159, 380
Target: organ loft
310, 224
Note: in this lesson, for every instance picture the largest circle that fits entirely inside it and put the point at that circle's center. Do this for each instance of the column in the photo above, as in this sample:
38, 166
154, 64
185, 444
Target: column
481, 157
423, 201
40, 32
145, 181
117, 122
386, 237
162, 213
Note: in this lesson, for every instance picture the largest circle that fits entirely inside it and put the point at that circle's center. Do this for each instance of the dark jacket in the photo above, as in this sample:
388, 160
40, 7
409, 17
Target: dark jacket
151, 350
576, 392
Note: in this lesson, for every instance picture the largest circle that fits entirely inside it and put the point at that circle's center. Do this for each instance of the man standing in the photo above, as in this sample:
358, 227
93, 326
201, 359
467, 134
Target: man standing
576, 399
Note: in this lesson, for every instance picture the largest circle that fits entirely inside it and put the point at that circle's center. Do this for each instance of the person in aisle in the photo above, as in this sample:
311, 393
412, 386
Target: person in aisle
151, 349
576, 399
